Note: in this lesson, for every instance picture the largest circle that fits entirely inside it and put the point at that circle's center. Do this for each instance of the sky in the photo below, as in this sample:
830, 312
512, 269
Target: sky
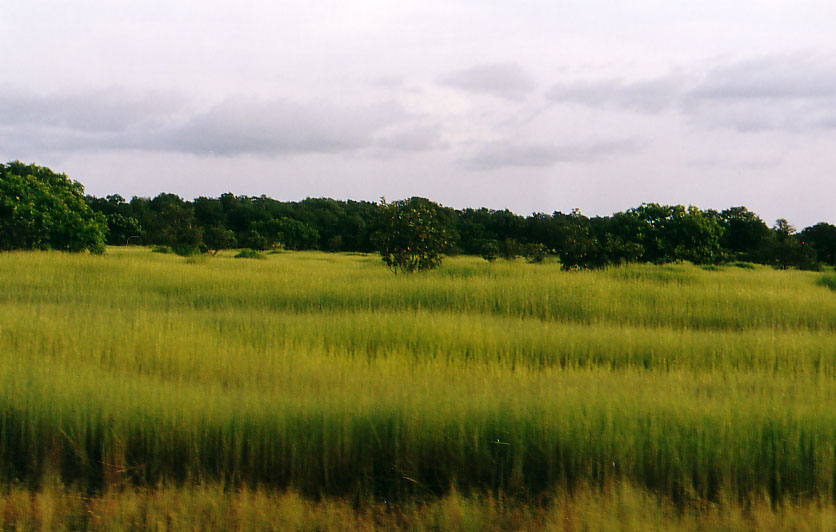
533, 106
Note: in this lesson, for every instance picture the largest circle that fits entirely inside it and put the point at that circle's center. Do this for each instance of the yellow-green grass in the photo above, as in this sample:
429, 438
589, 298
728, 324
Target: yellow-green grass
328, 375
217, 508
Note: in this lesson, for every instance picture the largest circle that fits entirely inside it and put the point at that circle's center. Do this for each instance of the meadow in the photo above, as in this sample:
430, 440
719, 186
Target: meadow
492, 389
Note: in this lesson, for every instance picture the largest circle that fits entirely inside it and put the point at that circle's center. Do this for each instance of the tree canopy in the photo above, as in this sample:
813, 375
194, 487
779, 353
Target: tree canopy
40, 209
410, 236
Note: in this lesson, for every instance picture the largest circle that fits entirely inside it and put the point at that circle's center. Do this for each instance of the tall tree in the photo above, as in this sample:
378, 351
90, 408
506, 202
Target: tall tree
40, 209
411, 236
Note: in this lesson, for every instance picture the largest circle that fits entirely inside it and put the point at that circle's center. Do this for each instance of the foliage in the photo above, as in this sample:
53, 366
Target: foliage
828, 281
783, 249
410, 236
535, 252
649, 233
40, 209
186, 250
249, 254
216, 239
670, 233
489, 250
744, 233
296, 235
822, 238
510, 249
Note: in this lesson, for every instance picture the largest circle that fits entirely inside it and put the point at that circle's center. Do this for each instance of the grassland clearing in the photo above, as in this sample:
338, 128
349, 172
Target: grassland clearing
325, 376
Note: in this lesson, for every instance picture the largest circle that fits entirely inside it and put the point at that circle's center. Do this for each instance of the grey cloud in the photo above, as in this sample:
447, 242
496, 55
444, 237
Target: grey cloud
792, 77
116, 119
650, 96
789, 93
245, 126
100, 111
743, 164
512, 154
413, 138
505, 80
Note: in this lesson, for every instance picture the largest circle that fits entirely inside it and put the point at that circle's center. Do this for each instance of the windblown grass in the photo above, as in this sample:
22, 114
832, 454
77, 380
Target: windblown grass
327, 375
209, 508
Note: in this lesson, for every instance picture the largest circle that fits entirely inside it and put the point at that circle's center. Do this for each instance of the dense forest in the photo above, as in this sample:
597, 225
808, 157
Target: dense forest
38, 208
647, 233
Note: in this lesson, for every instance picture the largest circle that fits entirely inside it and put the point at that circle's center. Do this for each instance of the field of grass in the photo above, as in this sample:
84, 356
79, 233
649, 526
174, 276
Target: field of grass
327, 377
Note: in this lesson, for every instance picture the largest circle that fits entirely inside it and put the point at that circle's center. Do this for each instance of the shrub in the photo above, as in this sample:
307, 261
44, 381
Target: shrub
490, 250
249, 254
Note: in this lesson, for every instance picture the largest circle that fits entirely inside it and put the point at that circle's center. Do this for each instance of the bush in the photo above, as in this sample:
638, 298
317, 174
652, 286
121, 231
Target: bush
510, 249
249, 254
490, 250
186, 250
535, 252
828, 281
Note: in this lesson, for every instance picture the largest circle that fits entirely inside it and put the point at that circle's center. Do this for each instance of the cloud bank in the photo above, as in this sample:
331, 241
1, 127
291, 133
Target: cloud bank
791, 93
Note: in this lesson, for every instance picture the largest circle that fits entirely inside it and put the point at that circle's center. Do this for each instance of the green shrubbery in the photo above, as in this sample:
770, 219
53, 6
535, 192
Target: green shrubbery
40, 209
249, 254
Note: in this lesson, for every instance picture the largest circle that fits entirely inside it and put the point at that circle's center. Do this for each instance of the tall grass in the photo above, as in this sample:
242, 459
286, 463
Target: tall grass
213, 507
327, 375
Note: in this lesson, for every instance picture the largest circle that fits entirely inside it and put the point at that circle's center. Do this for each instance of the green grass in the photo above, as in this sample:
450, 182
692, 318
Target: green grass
327, 375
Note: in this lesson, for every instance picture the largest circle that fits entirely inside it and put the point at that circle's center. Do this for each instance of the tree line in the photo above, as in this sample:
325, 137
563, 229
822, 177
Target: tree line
39, 208
647, 233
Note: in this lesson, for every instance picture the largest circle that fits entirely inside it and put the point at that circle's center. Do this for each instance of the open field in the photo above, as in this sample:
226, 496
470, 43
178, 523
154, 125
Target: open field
324, 376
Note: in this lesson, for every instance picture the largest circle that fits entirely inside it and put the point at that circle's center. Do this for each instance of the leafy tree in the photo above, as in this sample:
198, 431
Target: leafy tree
535, 252
217, 238
585, 243
294, 234
410, 236
120, 228
822, 238
254, 240
744, 232
489, 250
510, 249
670, 233
40, 209
209, 212
179, 226
783, 249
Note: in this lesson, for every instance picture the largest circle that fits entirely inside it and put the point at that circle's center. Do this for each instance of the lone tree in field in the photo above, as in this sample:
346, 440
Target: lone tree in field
40, 209
410, 236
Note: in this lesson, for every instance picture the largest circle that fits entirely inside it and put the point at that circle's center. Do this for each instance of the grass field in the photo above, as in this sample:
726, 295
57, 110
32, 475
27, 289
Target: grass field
323, 377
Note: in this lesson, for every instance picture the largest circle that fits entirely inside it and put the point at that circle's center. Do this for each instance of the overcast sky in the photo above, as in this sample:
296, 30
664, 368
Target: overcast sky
534, 106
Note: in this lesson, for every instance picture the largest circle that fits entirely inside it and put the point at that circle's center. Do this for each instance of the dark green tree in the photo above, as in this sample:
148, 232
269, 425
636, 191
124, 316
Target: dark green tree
120, 228
783, 249
490, 250
744, 233
40, 209
410, 236
217, 238
296, 235
822, 238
